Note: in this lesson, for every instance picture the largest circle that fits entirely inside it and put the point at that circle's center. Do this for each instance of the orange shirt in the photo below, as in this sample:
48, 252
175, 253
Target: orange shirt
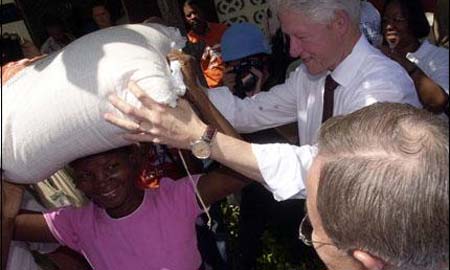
211, 62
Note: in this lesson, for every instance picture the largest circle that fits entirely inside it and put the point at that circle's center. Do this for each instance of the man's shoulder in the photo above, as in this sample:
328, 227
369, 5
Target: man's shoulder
378, 65
381, 79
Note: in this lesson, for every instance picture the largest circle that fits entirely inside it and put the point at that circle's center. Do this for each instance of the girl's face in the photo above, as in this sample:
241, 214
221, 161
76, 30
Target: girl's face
108, 179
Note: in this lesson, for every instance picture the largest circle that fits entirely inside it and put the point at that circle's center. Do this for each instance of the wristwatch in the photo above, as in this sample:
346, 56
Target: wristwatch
201, 148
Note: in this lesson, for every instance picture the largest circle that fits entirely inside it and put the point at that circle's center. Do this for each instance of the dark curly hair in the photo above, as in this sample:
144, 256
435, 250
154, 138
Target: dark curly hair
415, 14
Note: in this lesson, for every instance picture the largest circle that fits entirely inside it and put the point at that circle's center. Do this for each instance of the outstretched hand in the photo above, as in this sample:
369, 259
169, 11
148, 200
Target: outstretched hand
177, 127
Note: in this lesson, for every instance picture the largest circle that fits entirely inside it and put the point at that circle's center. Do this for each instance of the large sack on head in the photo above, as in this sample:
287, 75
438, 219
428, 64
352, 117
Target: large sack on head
53, 109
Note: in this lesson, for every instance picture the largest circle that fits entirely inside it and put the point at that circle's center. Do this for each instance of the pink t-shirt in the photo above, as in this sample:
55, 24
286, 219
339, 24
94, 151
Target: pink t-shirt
159, 235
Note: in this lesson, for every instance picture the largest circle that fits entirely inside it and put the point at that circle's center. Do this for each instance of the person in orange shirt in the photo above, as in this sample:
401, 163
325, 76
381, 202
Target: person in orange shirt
210, 34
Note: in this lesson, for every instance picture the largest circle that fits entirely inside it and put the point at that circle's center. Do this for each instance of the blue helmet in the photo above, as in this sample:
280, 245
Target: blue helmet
243, 39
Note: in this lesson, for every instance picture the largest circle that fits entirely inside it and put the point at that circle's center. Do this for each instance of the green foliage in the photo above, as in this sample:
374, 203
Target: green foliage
275, 255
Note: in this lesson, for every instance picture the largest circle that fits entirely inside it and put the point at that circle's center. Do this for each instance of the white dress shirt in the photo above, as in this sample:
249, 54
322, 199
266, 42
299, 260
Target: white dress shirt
365, 77
433, 61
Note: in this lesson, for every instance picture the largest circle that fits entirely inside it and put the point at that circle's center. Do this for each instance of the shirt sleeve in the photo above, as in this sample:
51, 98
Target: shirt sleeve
262, 111
435, 64
285, 168
62, 224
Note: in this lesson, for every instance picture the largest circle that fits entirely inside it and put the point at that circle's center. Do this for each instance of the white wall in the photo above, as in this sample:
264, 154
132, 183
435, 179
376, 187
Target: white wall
252, 11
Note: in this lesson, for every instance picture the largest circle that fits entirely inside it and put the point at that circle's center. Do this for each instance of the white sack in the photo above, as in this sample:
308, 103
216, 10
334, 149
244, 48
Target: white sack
53, 110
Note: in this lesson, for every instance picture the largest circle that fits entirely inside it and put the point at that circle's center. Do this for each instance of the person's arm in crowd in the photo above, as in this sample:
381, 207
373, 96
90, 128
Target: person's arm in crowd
11, 201
220, 183
431, 94
22, 224
31, 227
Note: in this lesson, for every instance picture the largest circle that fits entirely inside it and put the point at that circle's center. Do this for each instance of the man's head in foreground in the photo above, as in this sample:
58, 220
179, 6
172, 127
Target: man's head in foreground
378, 191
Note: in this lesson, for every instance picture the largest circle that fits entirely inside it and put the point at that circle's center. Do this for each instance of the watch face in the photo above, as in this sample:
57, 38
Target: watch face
201, 149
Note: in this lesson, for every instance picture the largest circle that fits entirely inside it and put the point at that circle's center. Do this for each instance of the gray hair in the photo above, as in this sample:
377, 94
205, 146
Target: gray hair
321, 11
384, 185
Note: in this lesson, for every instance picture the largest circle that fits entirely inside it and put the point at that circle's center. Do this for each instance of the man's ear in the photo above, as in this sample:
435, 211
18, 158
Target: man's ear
341, 22
370, 262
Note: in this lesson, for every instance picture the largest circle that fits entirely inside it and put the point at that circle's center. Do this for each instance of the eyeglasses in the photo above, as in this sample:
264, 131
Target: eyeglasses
305, 233
395, 20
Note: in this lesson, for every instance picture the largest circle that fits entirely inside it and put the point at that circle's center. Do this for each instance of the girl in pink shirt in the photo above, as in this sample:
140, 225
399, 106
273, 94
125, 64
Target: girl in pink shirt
125, 227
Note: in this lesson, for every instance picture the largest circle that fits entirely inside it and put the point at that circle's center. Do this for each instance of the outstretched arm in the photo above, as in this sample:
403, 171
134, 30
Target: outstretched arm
18, 224
31, 227
220, 183
180, 126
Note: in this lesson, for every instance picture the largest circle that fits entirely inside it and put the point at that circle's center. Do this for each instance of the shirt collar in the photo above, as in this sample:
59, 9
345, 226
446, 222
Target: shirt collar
346, 71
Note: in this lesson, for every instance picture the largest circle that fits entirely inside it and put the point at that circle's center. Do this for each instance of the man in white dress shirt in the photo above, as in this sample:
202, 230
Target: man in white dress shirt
326, 36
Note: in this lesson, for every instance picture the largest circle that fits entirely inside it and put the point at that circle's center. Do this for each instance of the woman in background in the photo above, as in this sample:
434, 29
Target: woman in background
405, 27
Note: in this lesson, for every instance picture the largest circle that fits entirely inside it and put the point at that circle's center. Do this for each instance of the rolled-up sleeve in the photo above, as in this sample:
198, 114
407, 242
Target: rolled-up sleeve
262, 111
434, 62
285, 168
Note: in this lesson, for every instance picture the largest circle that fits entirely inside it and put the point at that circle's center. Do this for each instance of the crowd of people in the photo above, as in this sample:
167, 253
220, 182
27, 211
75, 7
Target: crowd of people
366, 181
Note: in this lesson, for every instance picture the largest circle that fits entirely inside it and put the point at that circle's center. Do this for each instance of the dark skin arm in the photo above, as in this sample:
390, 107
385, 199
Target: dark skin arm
220, 183
11, 200
432, 96
31, 227
198, 98
18, 224
223, 181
